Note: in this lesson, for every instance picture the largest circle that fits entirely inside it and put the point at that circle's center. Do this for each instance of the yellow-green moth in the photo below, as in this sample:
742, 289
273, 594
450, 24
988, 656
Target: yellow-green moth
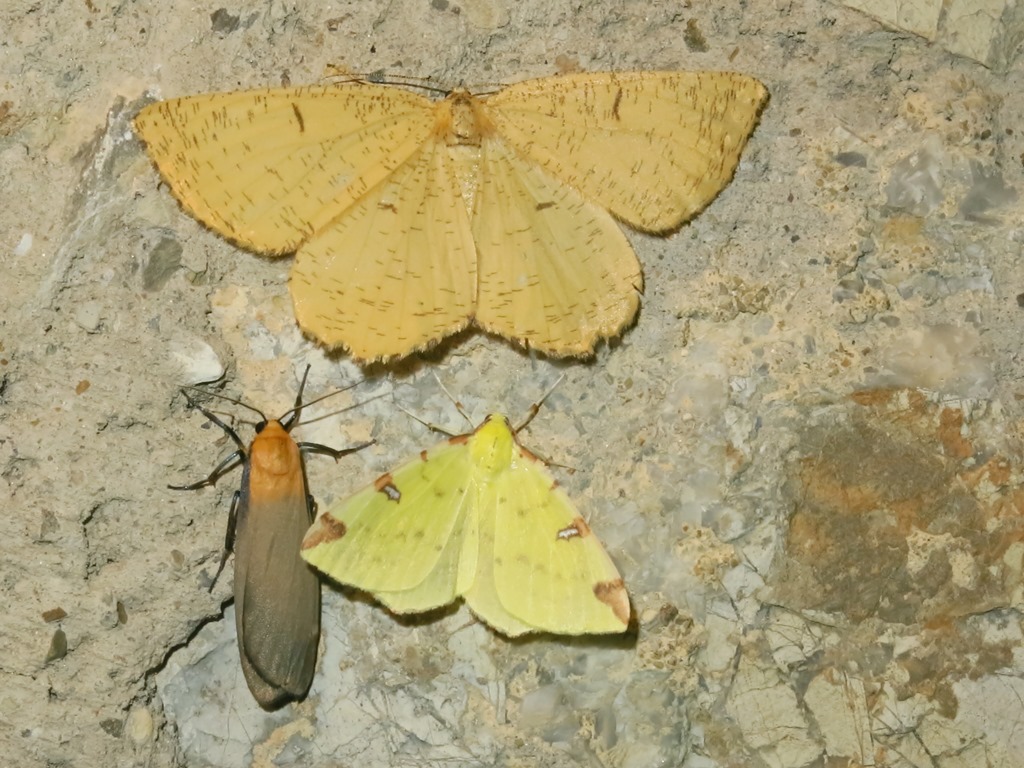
479, 517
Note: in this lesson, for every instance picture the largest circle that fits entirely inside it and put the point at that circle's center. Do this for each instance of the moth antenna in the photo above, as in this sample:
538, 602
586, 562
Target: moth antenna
234, 400
379, 77
458, 405
427, 424
296, 410
341, 410
290, 418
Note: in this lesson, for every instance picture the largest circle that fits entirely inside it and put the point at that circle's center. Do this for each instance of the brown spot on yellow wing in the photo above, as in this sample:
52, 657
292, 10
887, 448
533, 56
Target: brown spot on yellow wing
613, 594
326, 530
544, 206
423, 455
460, 439
615, 105
386, 485
579, 528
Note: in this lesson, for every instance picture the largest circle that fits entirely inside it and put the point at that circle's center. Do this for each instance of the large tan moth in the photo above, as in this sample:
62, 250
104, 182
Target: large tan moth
412, 218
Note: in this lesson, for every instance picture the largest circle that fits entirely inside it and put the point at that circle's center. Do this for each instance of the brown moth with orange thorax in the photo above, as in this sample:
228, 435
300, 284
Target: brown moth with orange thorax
277, 596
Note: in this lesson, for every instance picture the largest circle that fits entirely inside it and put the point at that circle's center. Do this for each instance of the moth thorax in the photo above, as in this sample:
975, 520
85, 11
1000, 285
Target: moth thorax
273, 452
462, 121
491, 446
460, 125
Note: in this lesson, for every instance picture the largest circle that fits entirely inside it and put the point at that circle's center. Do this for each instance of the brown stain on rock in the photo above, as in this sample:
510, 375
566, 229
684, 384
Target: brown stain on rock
901, 523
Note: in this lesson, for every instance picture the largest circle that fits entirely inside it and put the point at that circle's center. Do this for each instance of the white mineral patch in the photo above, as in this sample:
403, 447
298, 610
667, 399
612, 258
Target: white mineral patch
195, 360
941, 358
139, 725
87, 316
838, 704
772, 721
24, 245
987, 31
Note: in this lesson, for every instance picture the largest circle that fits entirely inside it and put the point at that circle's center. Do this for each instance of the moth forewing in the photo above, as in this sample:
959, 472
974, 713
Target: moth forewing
277, 596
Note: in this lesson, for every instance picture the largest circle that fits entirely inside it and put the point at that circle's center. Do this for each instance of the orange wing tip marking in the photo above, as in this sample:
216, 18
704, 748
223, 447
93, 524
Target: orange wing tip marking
463, 439
579, 528
385, 484
327, 530
613, 594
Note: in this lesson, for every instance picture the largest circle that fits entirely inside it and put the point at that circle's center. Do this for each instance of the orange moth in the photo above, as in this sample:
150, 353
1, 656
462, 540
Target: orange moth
411, 219
277, 596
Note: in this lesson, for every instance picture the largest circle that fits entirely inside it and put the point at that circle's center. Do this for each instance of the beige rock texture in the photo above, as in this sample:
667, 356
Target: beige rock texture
804, 456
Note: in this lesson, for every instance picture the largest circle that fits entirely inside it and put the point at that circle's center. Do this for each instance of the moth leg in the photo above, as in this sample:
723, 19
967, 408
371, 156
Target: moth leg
212, 417
326, 450
227, 465
229, 537
311, 507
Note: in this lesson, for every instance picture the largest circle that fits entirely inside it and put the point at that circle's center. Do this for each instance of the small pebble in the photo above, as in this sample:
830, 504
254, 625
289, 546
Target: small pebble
54, 614
87, 316
58, 647
139, 725
196, 361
